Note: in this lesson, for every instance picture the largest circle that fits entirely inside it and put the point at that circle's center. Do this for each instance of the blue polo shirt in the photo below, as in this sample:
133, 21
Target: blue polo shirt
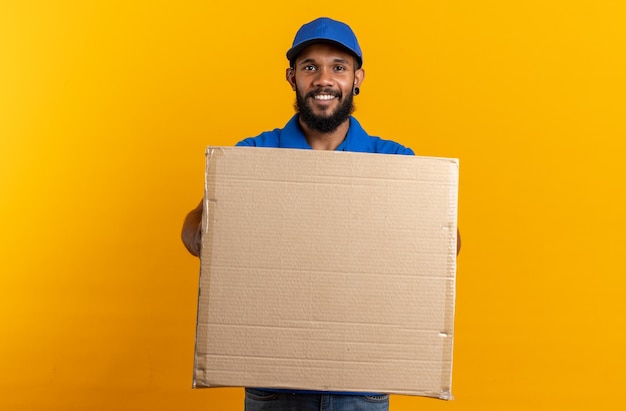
291, 136
357, 140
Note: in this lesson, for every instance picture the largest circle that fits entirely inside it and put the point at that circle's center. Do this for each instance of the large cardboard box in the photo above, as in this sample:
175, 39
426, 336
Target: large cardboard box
325, 270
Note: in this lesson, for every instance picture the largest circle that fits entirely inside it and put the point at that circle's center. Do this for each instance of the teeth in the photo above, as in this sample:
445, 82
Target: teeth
324, 97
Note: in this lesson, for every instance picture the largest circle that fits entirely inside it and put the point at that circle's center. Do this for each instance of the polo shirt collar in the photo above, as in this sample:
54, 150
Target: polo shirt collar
292, 136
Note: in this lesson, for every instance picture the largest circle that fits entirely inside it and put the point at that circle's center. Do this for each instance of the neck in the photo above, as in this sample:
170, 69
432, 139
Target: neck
325, 141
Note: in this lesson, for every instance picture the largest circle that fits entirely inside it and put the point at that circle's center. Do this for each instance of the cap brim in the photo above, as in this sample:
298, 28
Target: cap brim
293, 53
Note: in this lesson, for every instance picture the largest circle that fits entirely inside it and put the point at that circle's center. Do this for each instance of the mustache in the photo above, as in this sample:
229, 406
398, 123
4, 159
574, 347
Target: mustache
329, 91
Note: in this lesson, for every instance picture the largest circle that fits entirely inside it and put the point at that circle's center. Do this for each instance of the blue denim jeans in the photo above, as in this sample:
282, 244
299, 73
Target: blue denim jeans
260, 400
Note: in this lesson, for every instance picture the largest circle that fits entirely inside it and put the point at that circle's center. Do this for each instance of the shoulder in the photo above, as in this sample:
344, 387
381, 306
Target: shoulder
290, 136
359, 140
265, 139
382, 146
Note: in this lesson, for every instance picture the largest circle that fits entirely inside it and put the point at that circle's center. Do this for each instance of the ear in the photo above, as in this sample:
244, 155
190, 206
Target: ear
359, 76
290, 76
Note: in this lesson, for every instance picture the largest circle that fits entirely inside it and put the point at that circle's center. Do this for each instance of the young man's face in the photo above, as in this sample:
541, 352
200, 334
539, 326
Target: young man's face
324, 77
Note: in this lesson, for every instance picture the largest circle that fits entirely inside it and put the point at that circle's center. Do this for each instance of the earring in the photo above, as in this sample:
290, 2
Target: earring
357, 91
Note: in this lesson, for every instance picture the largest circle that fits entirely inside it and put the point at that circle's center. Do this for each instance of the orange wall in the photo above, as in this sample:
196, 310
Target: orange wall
105, 110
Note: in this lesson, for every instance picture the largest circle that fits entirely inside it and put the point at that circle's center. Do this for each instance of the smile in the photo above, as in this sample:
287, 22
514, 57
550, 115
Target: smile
324, 97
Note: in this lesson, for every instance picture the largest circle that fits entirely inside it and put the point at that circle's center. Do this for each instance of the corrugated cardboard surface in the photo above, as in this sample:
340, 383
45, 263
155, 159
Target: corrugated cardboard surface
325, 270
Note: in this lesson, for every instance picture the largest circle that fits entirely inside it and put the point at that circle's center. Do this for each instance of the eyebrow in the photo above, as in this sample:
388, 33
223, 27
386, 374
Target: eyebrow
335, 60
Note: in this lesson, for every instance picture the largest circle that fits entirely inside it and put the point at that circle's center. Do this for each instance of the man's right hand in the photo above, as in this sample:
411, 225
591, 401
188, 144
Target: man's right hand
192, 231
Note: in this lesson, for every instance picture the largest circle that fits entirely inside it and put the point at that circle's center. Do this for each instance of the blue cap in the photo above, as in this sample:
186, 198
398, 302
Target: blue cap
325, 30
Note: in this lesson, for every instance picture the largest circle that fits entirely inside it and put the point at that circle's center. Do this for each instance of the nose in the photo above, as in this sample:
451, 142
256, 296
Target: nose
323, 78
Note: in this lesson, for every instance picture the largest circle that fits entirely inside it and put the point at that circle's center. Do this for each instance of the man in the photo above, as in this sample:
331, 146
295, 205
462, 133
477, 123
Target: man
325, 71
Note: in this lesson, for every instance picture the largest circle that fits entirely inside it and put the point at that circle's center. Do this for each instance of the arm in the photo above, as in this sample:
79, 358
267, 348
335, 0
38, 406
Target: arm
192, 231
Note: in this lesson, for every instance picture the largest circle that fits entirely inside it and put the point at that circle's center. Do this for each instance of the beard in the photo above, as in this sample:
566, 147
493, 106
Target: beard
324, 123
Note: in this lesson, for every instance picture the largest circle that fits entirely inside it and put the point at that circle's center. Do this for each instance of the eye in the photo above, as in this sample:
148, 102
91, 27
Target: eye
340, 68
309, 67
